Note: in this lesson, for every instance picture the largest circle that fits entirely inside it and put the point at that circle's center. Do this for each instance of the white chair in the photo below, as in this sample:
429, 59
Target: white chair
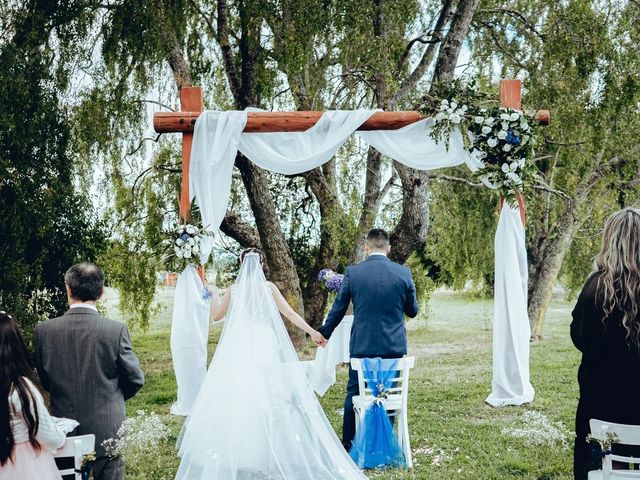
76, 448
395, 404
627, 435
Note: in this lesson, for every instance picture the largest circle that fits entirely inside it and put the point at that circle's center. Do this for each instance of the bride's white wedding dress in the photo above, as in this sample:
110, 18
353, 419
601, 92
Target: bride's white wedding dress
256, 415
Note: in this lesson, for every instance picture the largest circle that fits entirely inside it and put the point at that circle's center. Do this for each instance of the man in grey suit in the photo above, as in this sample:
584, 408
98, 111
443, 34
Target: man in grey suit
86, 363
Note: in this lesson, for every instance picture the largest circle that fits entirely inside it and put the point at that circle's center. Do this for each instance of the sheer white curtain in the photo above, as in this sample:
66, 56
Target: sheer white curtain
218, 136
189, 335
511, 330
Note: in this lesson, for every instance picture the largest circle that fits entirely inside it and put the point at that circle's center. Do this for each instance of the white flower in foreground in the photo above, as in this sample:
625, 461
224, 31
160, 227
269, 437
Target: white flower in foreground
439, 116
521, 163
191, 241
506, 148
505, 116
178, 253
179, 242
492, 142
444, 102
486, 130
455, 118
514, 117
505, 167
190, 230
454, 104
537, 430
525, 139
187, 254
478, 120
179, 229
502, 134
195, 249
504, 126
489, 121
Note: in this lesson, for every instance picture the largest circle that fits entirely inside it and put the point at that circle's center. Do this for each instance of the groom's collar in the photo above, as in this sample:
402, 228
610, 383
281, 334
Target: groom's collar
377, 256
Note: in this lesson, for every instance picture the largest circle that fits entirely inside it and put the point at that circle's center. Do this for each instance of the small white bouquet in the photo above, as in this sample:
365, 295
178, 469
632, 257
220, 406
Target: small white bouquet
185, 244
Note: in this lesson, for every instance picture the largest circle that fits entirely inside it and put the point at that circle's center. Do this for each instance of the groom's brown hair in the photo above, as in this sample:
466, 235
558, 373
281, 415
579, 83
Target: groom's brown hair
378, 238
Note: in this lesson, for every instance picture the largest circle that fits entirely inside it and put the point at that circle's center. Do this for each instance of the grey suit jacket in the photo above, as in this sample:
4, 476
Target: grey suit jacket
86, 363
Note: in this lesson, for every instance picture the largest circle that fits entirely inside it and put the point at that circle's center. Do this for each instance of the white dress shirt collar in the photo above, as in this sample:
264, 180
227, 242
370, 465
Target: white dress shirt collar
378, 253
83, 305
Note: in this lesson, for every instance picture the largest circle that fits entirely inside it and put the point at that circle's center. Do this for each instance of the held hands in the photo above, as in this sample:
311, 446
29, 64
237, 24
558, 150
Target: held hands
319, 339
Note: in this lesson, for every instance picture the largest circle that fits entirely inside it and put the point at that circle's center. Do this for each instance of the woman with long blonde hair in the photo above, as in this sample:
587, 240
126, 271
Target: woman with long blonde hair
606, 329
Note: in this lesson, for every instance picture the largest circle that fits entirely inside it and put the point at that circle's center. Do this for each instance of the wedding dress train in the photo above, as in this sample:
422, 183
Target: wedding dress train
256, 416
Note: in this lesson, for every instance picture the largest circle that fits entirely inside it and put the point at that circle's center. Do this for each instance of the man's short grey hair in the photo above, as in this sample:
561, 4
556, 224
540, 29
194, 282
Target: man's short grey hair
85, 280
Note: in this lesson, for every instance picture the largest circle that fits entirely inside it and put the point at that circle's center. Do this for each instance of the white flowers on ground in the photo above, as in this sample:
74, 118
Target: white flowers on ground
141, 433
538, 431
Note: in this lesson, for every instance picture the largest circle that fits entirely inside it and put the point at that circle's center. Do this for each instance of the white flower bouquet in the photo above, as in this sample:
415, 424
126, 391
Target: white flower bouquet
184, 245
499, 140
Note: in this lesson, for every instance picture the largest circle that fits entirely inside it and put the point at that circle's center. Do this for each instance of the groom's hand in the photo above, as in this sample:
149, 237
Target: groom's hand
319, 339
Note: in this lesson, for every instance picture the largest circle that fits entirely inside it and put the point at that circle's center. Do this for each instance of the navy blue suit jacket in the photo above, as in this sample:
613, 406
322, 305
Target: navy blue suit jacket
382, 293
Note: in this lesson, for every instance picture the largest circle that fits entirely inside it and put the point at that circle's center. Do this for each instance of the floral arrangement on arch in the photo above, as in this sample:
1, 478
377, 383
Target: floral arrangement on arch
499, 139
184, 245
331, 280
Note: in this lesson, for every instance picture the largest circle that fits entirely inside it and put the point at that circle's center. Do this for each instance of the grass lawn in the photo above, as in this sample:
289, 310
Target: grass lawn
454, 434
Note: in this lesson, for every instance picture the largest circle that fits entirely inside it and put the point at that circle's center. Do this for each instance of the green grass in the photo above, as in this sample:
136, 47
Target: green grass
447, 391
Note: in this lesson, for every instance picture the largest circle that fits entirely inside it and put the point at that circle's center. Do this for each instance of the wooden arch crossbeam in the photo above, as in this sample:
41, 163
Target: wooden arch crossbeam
257, 122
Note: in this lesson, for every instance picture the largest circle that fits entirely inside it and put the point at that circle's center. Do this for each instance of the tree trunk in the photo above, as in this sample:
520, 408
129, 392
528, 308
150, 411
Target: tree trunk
411, 231
276, 250
450, 48
552, 250
544, 273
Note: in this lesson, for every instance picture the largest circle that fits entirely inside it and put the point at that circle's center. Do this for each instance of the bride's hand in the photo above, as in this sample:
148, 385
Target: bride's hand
318, 338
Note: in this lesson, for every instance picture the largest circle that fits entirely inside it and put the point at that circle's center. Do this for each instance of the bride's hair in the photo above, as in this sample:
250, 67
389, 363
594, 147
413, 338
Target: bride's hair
247, 251
619, 266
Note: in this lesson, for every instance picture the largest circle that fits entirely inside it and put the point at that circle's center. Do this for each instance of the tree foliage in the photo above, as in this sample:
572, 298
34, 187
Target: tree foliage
46, 223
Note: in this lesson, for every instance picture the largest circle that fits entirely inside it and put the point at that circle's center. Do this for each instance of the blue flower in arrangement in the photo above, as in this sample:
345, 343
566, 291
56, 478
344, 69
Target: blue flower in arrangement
334, 282
513, 139
206, 293
184, 237
323, 274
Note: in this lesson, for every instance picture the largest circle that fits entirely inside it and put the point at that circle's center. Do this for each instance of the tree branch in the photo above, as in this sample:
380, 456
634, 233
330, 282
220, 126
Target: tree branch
450, 48
243, 233
427, 57
222, 36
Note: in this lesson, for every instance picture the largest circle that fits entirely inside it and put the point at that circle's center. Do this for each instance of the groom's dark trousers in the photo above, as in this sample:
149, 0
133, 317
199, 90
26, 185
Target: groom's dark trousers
382, 293
87, 365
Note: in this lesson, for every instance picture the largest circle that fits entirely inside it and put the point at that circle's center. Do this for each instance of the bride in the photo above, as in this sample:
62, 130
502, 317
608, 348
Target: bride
256, 416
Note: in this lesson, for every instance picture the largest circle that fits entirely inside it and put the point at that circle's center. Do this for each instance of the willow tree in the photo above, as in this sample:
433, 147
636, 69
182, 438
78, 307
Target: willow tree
46, 223
579, 60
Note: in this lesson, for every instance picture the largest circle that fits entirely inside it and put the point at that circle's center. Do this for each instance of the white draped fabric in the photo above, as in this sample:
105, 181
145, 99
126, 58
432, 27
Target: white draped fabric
189, 338
322, 371
511, 330
218, 136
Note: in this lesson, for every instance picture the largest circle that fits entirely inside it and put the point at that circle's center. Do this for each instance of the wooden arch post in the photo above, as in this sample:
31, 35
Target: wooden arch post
510, 97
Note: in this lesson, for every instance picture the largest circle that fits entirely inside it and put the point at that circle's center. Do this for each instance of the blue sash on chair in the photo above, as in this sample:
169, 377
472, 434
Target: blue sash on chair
376, 443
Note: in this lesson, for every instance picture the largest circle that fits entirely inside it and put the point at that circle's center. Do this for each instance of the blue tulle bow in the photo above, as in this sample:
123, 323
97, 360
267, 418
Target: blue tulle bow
376, 443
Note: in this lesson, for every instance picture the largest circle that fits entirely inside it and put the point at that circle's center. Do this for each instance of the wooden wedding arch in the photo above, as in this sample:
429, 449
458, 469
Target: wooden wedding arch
192, 105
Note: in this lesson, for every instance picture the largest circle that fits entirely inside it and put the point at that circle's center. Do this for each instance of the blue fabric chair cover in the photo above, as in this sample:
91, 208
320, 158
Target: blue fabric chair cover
376, 443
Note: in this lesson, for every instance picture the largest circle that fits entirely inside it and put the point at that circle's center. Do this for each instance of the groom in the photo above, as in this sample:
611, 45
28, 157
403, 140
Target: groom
382, 292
